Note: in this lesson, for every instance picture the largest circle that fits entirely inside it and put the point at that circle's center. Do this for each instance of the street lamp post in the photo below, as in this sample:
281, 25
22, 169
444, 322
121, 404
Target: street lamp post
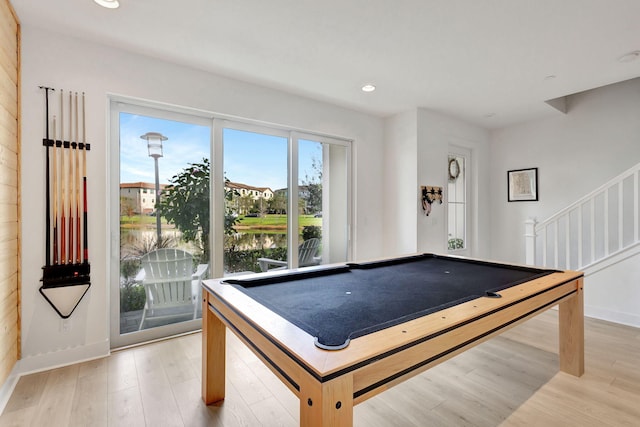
154, 144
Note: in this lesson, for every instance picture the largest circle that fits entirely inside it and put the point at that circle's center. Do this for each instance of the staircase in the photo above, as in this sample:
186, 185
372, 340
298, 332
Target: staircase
596, 231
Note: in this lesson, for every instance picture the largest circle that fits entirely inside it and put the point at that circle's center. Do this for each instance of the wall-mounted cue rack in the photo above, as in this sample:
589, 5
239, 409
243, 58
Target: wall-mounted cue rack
66, 273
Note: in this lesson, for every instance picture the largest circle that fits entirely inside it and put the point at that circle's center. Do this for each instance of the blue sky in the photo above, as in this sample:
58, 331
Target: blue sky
250, 158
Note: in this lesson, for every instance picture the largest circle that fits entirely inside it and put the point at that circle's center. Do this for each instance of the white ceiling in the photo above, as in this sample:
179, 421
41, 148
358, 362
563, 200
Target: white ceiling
484, 61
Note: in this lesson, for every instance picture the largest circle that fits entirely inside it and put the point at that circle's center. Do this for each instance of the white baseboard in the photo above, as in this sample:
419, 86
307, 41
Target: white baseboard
63, 357
46, 361
612, 316
7, 388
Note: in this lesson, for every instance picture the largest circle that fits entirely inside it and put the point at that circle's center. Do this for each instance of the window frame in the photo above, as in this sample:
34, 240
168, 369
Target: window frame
216, 122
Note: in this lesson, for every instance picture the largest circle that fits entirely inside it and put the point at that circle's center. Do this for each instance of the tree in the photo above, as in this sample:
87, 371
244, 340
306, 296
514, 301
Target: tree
185, 203
230, 216
260, 205
278, 204
244, 204
127, 207
312, 192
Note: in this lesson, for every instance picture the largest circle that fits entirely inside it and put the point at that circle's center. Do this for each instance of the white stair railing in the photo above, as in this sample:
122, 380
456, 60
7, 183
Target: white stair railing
601, 225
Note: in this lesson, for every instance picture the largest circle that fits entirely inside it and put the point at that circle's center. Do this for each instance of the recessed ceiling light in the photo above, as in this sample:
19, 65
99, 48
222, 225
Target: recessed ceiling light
368, 88
550, 77
109, 4
489, 115
631, 56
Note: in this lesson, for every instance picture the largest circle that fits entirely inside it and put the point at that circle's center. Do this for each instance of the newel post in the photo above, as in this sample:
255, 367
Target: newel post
530, 241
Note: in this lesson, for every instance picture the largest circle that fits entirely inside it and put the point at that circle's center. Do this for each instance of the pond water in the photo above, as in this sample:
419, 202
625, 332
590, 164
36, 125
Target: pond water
248, 241
134, 240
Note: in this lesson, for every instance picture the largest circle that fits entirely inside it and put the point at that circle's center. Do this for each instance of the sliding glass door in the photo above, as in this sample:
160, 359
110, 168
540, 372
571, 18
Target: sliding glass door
194, 197
162, 221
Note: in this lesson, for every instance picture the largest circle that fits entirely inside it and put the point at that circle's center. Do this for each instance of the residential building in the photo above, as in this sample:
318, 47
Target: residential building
138, 198
247, 190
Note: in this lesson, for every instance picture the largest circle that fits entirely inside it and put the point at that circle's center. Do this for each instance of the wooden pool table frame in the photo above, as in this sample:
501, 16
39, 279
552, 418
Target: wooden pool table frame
330, 383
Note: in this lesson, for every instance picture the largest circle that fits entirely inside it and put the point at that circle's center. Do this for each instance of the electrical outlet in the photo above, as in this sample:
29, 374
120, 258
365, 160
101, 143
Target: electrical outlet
66, 325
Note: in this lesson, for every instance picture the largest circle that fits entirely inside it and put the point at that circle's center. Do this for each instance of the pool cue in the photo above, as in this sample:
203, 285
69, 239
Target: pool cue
63, 189
59, 165
70, 178
59, 184
85, 242
55, 195
77, 183
48, 182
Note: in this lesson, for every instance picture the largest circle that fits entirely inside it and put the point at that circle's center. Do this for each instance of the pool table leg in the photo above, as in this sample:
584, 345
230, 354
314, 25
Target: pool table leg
213, 355
326, 404
571, 324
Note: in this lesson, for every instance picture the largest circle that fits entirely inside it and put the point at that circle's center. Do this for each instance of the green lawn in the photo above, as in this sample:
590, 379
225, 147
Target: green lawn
267, 221
135, 221
277, 221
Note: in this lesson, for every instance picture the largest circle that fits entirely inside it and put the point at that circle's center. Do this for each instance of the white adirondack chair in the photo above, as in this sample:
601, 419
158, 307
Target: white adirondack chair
306, 256
171, 286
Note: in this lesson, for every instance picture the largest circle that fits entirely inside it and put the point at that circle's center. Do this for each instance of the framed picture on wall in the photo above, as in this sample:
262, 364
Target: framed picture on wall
523, 185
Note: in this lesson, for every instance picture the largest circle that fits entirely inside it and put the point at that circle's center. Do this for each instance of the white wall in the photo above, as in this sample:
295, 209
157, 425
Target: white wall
575, 153
73, 64
400, 168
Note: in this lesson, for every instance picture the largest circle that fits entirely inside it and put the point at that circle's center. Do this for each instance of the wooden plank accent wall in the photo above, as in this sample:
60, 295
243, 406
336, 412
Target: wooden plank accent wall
9, 189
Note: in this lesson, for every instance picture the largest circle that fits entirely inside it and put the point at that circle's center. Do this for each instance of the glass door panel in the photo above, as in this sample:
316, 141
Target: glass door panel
310, 194
256, 200
323, 200
163, 212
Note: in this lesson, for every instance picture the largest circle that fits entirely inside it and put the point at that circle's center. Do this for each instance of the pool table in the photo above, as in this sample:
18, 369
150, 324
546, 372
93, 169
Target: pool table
337, 335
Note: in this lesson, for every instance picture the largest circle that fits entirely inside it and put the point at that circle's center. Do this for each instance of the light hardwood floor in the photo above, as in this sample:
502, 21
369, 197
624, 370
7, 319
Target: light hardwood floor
511, 380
